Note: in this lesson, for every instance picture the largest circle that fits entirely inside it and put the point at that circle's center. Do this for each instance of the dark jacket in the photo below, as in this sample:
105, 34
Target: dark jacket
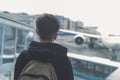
46, 52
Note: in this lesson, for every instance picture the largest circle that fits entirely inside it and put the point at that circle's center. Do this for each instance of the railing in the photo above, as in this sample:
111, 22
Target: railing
94, 68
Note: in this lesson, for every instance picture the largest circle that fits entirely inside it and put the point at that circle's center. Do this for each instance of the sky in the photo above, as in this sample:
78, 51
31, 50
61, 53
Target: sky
105, 14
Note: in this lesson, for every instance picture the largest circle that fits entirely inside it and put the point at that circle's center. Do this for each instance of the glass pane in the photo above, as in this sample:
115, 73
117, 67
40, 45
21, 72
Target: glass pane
29, 38
21, 35
1, 30
9, 44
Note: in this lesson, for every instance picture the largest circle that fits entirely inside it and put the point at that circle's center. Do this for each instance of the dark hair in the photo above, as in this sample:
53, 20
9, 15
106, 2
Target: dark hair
47, 25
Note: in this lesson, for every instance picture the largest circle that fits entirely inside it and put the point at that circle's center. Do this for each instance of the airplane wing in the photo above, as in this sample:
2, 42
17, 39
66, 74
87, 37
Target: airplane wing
78, 38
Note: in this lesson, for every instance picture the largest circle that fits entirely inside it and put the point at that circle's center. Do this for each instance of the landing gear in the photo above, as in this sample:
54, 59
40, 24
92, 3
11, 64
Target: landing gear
91, 45
113, 56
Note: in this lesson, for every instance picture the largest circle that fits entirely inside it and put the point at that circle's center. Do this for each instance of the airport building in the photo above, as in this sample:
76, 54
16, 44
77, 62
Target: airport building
20, 17
65, 23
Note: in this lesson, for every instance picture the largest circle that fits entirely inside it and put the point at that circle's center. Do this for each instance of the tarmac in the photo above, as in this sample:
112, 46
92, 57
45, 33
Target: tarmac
96, 51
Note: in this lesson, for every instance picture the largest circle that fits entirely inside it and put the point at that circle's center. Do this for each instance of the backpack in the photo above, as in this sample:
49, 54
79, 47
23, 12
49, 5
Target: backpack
35, 70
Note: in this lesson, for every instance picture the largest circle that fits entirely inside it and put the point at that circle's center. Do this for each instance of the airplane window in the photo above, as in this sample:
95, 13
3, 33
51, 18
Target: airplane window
9, 44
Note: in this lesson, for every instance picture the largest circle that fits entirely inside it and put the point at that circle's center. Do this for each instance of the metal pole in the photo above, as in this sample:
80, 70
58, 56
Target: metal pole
2, 47
10, 78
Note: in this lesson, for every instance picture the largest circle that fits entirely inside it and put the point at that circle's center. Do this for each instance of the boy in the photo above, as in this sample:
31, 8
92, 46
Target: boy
47, 27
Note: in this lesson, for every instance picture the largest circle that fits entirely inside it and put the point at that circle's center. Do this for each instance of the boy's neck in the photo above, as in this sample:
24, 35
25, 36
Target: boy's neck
45, 41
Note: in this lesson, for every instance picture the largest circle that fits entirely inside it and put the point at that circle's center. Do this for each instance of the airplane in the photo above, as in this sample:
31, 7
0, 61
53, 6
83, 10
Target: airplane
79, 38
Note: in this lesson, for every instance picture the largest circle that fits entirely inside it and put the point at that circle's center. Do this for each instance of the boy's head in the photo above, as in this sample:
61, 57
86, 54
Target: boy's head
47, 27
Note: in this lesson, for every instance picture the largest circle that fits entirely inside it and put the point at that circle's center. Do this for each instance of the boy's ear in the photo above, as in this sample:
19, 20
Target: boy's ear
54, 36
37, 31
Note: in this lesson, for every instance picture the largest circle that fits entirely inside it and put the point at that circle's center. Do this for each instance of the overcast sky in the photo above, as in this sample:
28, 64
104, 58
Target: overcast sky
102, 13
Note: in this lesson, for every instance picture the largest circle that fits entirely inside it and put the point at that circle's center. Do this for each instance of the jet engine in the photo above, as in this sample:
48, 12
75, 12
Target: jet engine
79, 39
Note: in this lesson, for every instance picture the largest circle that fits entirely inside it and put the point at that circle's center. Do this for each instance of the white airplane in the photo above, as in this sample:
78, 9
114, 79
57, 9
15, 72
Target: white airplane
111, 43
